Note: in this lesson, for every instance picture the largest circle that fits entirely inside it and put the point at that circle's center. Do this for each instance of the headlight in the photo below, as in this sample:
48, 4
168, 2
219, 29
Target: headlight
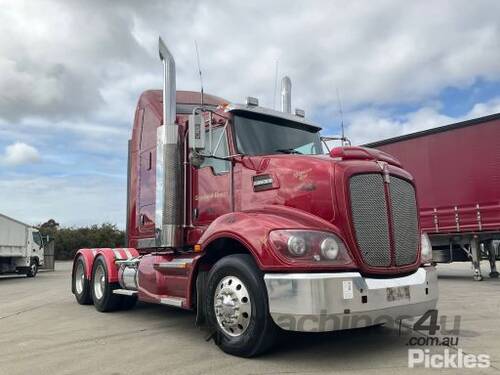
329, 248
309, 247
426, 246
297, 245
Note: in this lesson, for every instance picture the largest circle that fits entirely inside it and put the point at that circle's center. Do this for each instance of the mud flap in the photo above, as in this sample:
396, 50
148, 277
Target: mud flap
201, 282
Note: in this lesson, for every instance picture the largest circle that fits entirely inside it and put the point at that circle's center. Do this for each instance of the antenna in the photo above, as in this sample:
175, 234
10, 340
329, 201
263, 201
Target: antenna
199, 70
275, 83
341, 116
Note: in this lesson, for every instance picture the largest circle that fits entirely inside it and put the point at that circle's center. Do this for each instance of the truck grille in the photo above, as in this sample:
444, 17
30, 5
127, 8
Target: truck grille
404, 218
370, 215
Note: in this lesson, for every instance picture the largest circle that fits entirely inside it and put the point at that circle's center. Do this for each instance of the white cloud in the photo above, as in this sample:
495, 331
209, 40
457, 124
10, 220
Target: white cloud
70, 200
72, 79
374, 52
373, 125
20, 153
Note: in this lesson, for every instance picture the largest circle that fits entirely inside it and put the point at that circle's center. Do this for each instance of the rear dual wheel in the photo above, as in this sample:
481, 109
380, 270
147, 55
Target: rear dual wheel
99, 290
81, 285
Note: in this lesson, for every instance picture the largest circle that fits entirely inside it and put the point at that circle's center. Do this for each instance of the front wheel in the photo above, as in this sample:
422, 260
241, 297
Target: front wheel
33, 268
237, 307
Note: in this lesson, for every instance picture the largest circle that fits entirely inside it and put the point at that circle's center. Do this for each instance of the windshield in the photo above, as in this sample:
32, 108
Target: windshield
259, 137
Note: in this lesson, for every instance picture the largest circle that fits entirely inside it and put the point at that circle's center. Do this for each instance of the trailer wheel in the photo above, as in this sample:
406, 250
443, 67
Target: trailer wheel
237, 307
33, 268
81, 285
102, 289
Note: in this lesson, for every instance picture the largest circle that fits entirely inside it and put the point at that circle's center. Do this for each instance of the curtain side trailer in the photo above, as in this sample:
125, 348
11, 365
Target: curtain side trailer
457, 173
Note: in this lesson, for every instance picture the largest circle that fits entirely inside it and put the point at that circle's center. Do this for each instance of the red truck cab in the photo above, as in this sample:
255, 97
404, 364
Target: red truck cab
236, 212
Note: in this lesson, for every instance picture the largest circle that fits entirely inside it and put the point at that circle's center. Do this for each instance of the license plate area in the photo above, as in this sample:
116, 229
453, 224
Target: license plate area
397, 293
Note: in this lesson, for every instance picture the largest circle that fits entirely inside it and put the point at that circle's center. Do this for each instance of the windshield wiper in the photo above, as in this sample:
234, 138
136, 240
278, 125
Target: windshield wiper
288, 151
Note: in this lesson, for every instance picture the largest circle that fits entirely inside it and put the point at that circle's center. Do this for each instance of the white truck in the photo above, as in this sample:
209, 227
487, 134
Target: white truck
21, 247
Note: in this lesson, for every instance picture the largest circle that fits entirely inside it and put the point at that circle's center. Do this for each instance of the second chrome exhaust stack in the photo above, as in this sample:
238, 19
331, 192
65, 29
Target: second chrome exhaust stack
286, 95
168, 215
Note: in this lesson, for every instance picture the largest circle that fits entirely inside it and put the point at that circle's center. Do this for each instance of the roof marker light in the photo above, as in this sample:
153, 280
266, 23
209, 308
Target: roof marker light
252, 102
300, 112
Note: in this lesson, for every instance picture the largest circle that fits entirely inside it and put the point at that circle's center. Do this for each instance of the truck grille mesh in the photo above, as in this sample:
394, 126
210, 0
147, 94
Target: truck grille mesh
371, 220
404, 218
369, 212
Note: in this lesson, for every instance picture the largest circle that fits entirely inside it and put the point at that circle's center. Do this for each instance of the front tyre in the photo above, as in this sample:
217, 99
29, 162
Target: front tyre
102, 289
237, 307
33, 268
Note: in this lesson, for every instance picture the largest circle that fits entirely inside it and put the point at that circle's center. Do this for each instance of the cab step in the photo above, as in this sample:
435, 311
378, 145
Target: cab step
125, 292
172, 301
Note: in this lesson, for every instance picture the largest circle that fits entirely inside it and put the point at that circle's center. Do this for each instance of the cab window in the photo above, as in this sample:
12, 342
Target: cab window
219, 166
37, 239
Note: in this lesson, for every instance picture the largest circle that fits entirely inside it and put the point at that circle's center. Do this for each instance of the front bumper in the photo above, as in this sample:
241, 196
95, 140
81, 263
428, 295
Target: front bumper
317, 302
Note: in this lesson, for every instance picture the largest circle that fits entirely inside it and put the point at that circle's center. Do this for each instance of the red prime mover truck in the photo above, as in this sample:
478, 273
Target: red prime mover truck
235, 212
457, 171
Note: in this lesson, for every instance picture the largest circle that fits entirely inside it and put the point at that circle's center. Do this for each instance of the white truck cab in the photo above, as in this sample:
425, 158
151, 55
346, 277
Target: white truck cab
21, 247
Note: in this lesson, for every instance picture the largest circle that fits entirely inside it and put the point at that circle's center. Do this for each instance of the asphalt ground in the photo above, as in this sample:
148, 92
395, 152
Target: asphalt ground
44, 331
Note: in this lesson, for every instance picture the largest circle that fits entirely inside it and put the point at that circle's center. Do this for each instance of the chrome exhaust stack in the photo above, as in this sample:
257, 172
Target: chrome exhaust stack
168, 215
286, 95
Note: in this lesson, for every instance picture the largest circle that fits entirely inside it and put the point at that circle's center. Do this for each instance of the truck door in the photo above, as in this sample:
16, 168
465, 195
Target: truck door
37, 247
147, 158
211, 182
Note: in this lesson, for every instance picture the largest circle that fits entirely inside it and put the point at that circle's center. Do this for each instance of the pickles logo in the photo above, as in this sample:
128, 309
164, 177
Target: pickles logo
452, 357
449, 359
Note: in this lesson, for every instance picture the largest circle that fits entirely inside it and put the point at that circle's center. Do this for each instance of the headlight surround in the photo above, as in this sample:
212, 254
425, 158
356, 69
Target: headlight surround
426, 248
309, 246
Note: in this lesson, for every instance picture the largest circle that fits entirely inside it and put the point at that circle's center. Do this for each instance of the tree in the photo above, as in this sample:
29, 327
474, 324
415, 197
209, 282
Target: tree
69, 239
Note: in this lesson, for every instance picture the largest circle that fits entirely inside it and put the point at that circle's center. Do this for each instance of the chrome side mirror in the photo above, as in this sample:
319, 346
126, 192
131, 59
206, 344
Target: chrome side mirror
196, 132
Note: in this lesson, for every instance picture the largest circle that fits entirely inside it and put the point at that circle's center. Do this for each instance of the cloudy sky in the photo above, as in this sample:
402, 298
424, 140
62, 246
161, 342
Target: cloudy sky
71, 73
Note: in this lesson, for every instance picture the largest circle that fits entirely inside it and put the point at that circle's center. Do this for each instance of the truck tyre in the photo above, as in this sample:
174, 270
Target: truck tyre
81, 285
237, 307
33, 268
102, 289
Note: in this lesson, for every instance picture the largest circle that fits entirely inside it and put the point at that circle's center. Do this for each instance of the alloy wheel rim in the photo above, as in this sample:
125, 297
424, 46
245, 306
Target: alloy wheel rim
79, 278
232, 305
99, 281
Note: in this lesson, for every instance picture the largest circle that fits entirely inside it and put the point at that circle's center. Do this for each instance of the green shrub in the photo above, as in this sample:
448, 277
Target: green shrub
69, 239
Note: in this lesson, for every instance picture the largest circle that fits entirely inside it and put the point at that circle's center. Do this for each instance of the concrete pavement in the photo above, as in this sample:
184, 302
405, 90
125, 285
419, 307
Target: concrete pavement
44, 331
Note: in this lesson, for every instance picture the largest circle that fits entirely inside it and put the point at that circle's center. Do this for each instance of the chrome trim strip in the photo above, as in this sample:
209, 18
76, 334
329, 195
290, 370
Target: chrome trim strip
176, 263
